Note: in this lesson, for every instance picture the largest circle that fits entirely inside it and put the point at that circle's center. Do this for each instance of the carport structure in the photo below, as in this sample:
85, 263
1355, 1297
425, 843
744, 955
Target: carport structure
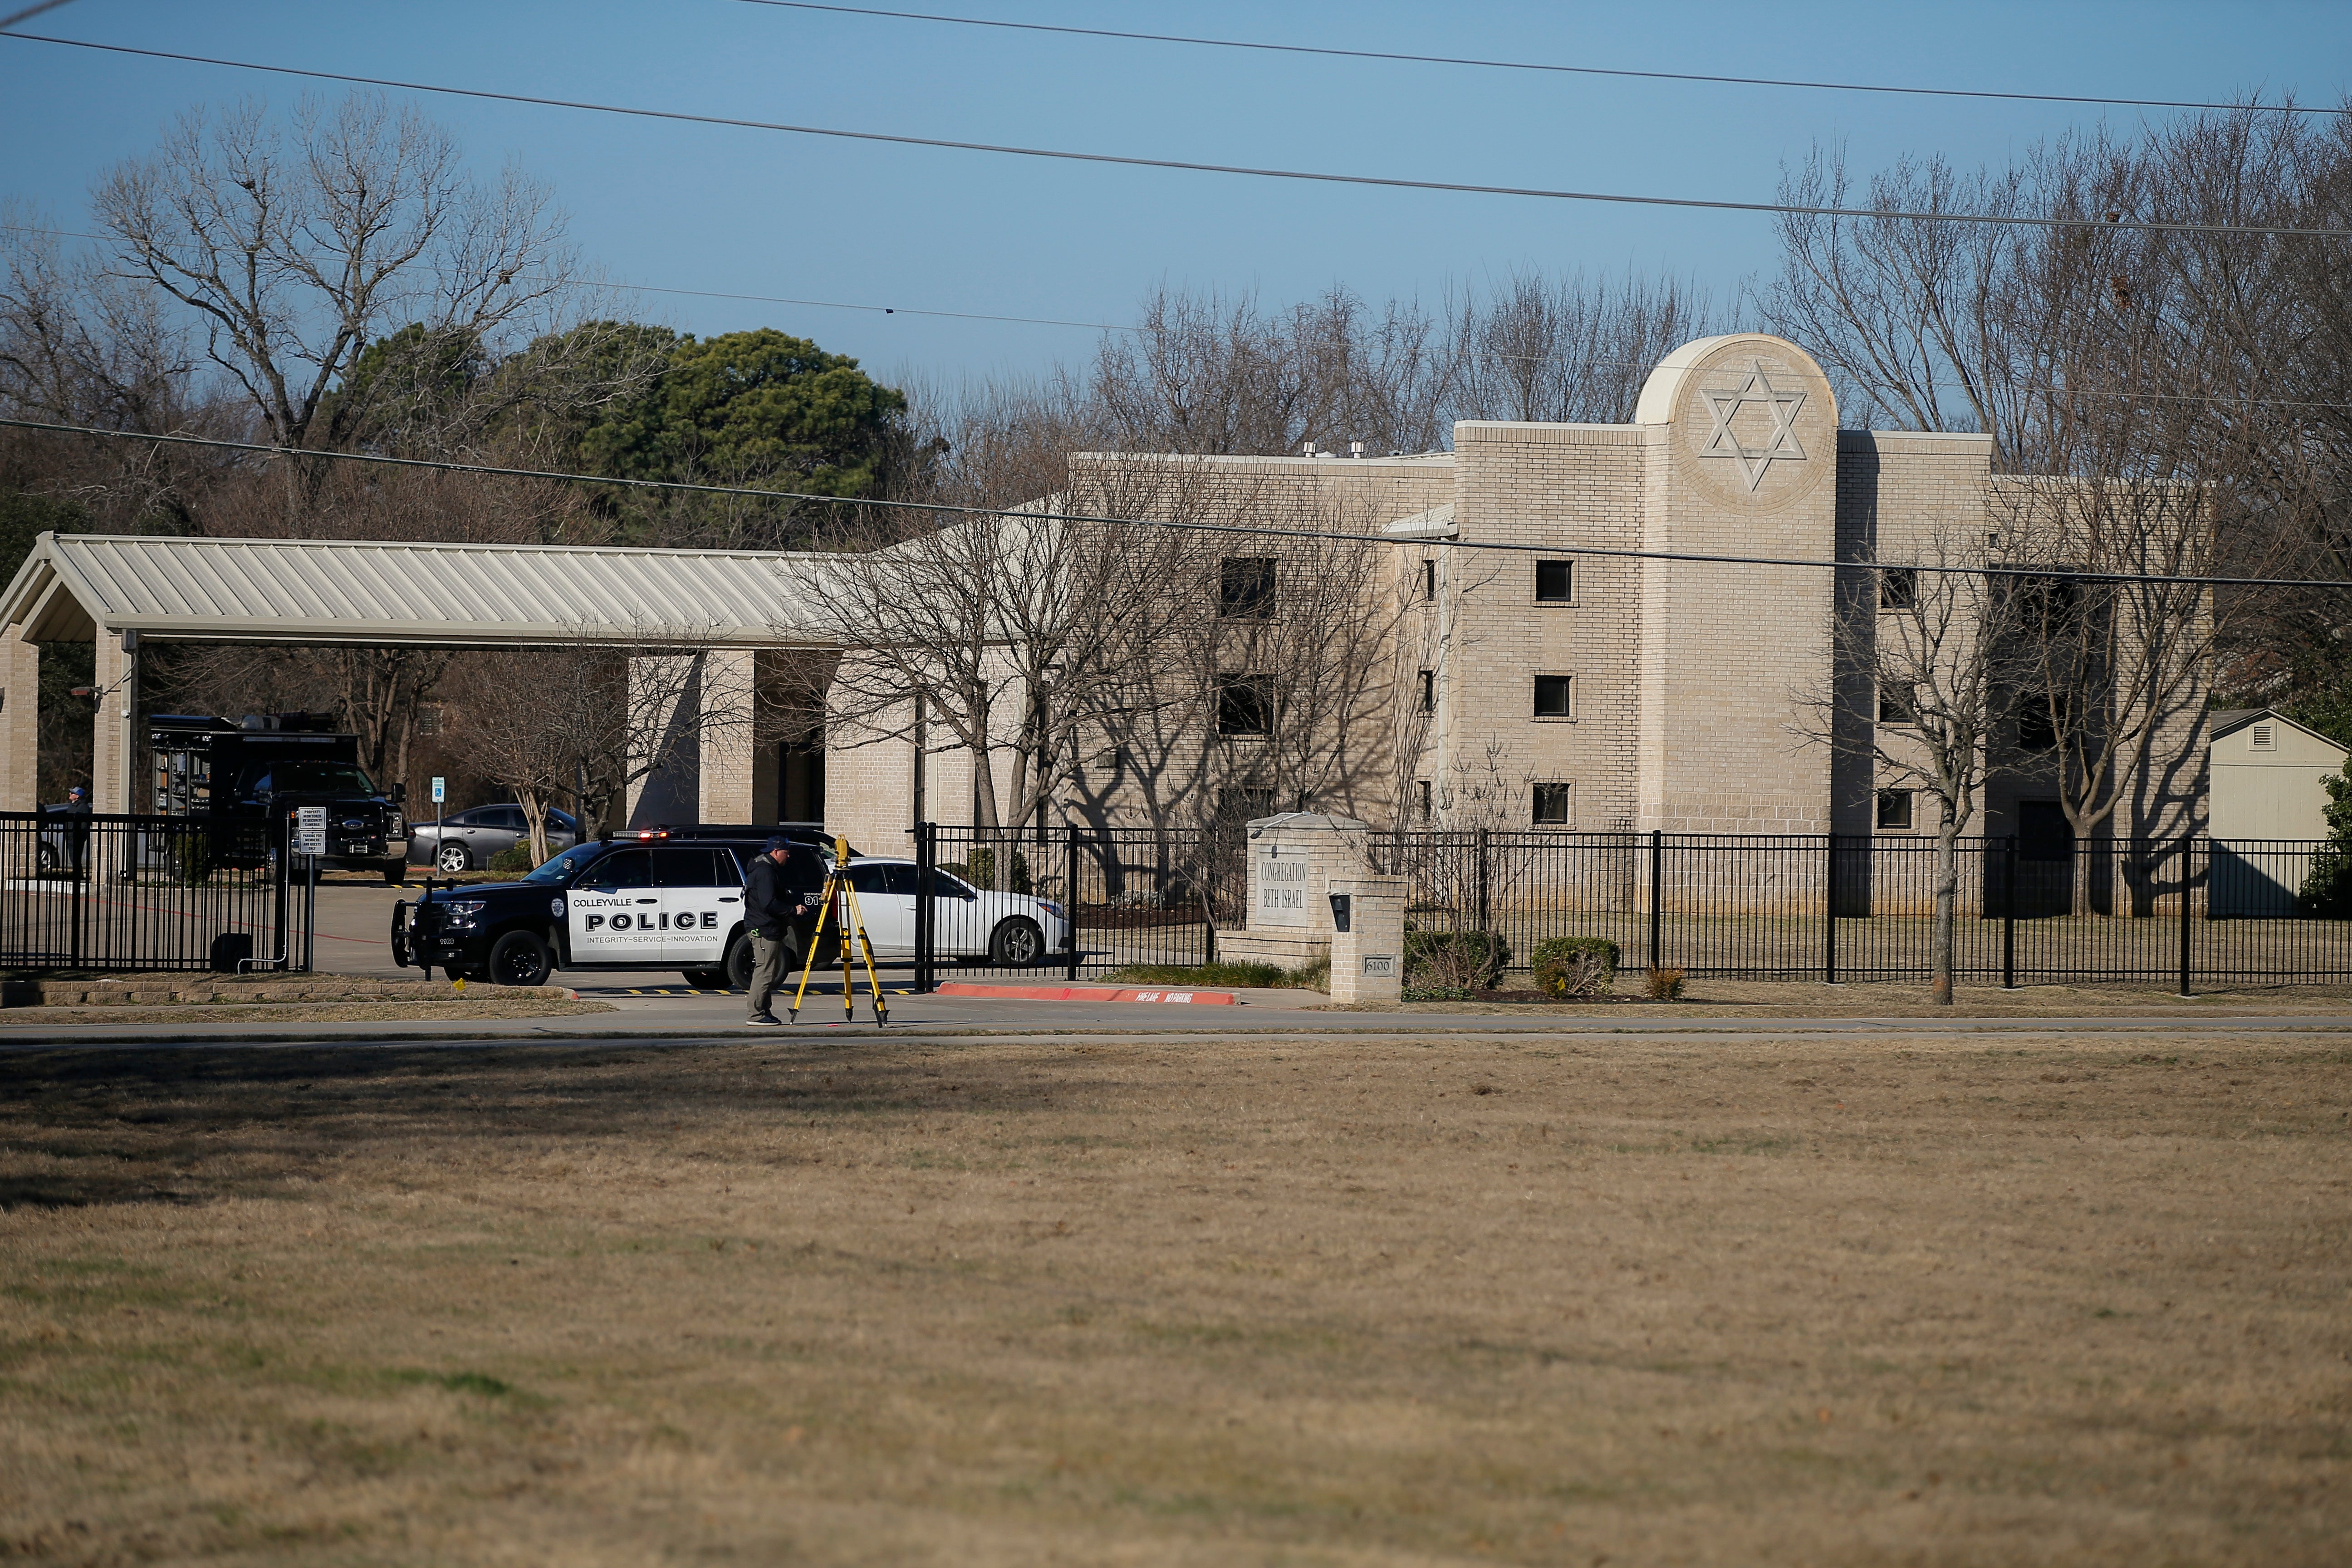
741, 616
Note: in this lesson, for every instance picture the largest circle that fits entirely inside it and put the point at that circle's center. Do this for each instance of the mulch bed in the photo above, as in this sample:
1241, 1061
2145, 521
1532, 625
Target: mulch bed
1542, 996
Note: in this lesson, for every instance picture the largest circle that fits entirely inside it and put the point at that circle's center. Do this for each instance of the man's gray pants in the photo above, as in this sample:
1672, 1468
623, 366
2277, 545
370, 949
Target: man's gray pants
768, 960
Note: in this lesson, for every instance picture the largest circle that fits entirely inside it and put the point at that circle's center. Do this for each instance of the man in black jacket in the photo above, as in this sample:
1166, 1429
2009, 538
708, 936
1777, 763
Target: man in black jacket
772, 911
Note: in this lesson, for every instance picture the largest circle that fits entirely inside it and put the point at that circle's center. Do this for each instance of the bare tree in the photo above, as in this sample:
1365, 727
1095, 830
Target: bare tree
2113, 655
2126, 358
1019, 635
289, 257
1571, 350
1215, 375
1925, 660
590, 720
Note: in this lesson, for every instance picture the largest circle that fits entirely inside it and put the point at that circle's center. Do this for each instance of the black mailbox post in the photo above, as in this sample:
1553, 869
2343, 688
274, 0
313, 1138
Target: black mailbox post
1340, 911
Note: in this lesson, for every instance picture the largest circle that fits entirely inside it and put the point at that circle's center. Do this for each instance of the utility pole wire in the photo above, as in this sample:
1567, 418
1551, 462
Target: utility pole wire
30, 12
1381, 180
1536, 65
1032, 514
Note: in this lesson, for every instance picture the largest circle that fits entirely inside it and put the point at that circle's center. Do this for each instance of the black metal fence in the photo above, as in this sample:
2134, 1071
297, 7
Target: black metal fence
1788, 906
148, 892
1099, 899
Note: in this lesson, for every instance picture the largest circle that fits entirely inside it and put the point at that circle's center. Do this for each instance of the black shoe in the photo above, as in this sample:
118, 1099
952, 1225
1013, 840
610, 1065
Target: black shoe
763, 1018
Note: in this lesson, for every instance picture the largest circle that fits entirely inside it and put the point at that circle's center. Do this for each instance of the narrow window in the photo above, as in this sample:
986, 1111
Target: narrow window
1245, 587
1898, 705
1429, 692
1552, 806
1420, 788
1429, 579
1555, 581
1244, 705
2036, 729
1553, 697
1898, 587
1894, 810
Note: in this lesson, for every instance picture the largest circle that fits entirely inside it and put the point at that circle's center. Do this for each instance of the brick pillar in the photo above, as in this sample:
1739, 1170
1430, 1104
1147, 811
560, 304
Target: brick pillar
729, 787
1368, 957
20, 721
114, 739
664, 690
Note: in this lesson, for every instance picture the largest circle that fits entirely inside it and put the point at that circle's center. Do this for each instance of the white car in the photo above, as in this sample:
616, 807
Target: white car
1009, 929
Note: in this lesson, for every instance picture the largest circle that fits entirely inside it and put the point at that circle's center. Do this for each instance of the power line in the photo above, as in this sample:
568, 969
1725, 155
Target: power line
1028, 514
30, 12
2010, 220
1537, 66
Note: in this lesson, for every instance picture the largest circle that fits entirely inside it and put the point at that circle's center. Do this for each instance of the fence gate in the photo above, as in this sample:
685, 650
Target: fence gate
150, 893
1124, 896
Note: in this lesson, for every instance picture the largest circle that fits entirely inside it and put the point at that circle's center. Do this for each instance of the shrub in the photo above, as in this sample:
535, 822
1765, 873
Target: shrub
984, 872
514, 857
1575, 966
1453, 960
2327, 890
1665, 985
1315, 976
192, 859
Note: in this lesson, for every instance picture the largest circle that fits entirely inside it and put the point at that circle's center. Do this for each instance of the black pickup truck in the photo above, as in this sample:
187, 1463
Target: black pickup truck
270, 765
658, 899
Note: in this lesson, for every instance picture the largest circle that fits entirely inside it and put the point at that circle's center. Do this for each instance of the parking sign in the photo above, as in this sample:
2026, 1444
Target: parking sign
309, 830
439, 789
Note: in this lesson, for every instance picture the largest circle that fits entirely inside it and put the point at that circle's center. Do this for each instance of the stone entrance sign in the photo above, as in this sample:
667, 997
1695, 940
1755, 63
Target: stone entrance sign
1277, 884
1297, 861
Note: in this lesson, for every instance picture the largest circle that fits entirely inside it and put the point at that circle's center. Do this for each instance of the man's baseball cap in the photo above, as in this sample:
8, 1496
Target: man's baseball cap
778, 842
76, 790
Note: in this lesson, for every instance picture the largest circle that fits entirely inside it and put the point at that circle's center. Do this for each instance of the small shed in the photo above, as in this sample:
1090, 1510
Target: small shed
2268, 804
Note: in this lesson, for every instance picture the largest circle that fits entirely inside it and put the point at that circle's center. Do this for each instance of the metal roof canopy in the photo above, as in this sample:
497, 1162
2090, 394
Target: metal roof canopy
377, 593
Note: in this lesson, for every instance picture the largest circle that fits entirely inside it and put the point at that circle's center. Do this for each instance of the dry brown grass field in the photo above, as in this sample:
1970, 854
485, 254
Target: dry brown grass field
2029, 1299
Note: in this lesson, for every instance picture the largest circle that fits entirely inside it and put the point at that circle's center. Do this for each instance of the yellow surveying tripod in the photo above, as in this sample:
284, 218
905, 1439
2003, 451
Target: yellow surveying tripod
841, 911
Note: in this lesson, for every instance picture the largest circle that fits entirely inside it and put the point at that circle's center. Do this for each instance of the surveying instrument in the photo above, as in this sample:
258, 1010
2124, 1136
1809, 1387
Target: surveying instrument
842, 912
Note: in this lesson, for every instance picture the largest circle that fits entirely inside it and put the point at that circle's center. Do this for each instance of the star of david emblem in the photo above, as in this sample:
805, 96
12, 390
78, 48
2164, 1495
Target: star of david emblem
1723, 406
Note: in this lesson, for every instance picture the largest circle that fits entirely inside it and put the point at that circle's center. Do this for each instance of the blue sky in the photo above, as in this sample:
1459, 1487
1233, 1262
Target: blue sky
703, 207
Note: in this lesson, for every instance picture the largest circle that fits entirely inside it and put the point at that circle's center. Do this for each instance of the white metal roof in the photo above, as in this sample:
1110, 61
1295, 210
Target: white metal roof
444, 596
1438, 522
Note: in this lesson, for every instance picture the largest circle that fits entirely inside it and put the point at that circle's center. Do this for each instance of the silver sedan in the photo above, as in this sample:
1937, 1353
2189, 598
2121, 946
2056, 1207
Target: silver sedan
465, 840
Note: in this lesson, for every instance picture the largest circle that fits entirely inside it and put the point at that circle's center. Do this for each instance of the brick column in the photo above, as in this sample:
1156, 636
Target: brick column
1368, 957
20, 721
664, 692
728, 788
114, 738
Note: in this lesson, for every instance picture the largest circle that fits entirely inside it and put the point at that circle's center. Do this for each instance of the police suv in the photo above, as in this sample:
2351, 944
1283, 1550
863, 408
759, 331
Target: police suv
660, 899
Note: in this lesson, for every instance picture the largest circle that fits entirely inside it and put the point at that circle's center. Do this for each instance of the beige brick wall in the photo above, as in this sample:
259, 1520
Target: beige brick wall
1562, 488
115, 736
20, 720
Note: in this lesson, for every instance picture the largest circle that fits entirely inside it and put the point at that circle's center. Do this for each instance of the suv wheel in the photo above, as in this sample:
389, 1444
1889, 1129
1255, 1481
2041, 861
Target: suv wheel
520, 958
1017, 943
739, 960
452, 858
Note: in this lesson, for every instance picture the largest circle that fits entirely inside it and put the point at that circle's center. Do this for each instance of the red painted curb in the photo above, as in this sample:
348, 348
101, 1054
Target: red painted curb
1083, 993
